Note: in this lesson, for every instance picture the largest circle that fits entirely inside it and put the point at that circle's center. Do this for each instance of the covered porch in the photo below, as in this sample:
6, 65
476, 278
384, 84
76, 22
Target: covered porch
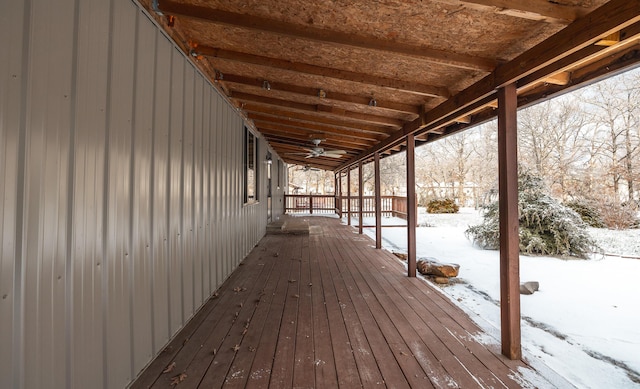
326, 309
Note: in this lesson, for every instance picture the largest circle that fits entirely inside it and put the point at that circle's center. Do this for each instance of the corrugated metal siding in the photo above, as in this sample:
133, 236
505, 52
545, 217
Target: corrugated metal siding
120, 192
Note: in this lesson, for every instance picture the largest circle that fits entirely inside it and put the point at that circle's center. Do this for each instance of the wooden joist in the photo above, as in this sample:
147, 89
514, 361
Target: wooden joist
344, 75
310, 32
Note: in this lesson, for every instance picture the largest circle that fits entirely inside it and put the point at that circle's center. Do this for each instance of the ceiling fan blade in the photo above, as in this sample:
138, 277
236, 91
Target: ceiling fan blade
335, 152
332, 155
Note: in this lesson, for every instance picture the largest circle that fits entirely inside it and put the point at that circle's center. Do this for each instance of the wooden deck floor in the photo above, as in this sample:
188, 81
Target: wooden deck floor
327, 310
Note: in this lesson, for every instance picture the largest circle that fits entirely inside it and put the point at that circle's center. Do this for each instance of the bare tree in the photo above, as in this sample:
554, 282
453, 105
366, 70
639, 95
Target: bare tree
614, 106
551, 142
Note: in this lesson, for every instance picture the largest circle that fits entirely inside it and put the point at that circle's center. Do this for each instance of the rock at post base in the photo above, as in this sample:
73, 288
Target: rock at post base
433, 268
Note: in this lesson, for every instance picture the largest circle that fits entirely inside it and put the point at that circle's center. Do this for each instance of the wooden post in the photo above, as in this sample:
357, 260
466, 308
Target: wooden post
335, 192
349, 196
339, 192
509, 236
411, 205
310, 204
360, 198
378, 200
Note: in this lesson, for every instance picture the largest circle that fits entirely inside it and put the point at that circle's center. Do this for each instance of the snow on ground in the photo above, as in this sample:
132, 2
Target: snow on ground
584, 322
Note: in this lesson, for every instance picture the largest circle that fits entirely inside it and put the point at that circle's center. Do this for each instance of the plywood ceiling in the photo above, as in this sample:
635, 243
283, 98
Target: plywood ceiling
361, 75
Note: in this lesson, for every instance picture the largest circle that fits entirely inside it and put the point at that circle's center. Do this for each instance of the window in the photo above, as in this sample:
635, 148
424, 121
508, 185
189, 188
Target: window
250, 167
280, 169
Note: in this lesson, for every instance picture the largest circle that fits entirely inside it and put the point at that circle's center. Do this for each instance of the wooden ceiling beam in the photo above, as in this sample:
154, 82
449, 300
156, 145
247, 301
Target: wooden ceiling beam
302, 135
313, 128
356, 116
344, 75
612, 16
289, 151
527, 9
319, 93
311, 162
312, 33
302, 144
315, 118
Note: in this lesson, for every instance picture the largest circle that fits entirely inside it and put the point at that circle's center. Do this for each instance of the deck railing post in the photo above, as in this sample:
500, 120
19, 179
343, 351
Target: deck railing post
349, 196
411, 208
378, 201
509, 235
335, 192
311, 204
360, 198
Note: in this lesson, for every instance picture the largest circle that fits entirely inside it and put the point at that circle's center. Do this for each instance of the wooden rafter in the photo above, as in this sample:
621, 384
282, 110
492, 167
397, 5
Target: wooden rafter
528, 9
337, 122
320, 93
313, 128
333, 137
247, 21
303, 136
339, 74
356, 116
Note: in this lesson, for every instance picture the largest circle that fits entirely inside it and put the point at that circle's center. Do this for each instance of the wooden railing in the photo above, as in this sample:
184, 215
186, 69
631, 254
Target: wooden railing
318, 204
391, 206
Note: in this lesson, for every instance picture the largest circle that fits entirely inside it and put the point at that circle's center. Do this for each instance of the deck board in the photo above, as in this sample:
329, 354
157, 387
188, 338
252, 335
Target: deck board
328, 310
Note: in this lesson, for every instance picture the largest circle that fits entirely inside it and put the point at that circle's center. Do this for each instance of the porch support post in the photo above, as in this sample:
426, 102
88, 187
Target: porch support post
360, 198
509, 237
411, 205
339, 195
378, 200
349, 196
335, 192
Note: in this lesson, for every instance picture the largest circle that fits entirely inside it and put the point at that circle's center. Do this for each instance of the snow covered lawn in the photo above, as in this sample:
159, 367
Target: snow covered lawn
584, 322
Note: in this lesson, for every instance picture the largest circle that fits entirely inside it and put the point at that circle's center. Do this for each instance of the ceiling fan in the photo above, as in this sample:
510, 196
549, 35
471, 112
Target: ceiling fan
317, 151
308, 168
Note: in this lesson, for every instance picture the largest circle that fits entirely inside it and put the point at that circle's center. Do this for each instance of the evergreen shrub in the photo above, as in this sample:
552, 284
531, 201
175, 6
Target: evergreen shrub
546, 226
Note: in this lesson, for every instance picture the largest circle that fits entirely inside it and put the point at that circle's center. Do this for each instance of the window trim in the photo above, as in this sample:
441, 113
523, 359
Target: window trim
250, 188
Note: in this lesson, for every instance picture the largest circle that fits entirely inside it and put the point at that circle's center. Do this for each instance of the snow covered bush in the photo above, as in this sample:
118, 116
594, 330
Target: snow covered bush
442, 206
606, 214
546, 226
589, 212
619, 216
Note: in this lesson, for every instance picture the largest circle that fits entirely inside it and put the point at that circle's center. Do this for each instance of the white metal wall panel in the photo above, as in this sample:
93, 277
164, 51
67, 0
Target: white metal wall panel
48, 283
176, 313
13, 39
121, 184
205, 215
140, 258
197, 190
88, 156
118, 332
161, 197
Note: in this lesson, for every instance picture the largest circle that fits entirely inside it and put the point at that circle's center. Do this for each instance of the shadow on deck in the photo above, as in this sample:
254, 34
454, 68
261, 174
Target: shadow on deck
328, 310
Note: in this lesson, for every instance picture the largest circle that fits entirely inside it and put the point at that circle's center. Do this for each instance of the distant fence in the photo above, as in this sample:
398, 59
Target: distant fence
391, 206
